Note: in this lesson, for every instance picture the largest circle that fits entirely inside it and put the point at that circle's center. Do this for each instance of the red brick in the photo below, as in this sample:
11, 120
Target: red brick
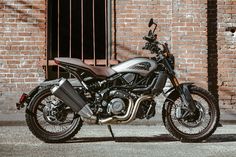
23, 40
20, 39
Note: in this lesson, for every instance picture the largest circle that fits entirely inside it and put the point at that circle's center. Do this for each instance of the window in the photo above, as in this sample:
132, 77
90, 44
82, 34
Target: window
78, 29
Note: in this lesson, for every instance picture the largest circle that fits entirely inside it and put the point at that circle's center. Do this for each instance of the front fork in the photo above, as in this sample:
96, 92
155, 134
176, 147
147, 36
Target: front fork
184, 93
183, 90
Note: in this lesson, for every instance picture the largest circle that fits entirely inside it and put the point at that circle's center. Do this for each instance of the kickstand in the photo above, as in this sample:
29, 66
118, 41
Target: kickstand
112, 134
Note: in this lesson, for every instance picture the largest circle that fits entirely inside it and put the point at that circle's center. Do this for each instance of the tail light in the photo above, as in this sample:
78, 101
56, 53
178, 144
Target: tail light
22, 100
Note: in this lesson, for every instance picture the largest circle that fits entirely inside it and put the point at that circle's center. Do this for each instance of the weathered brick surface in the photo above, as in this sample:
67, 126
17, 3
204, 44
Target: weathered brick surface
227, 54
181, 23
22, 45
130, 20
189, 41
195, 30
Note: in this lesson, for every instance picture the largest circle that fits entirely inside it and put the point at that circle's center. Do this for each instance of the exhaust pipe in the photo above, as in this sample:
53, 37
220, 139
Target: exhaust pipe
70, 97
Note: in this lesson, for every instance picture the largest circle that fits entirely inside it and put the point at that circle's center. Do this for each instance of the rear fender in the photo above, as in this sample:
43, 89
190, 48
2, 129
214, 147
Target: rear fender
45, 84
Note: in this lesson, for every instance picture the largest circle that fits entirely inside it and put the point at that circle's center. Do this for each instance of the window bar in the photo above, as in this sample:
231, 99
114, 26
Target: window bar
106, 34
70, 42
94, 45
82, 30
58, 36
46, 54
109, 30
70, 29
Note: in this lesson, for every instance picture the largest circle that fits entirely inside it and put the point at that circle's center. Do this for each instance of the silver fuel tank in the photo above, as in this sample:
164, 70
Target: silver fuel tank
142, 66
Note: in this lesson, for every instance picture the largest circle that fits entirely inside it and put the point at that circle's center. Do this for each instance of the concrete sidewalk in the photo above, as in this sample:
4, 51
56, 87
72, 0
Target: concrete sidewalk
18, 118
130, 141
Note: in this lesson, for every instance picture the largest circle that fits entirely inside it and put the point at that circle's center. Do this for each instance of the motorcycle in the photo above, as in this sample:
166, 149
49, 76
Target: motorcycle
56, 109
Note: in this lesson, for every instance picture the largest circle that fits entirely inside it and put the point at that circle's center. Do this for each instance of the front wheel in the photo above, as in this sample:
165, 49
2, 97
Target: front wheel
191, 128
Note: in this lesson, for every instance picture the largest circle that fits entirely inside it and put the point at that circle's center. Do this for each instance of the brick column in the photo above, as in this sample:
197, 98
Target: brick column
227, 55
189, 41
22, 45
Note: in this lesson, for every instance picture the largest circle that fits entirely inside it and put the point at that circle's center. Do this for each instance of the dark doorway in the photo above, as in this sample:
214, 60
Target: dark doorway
77, 29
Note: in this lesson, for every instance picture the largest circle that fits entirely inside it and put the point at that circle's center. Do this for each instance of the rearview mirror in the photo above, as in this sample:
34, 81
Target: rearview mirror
150, 22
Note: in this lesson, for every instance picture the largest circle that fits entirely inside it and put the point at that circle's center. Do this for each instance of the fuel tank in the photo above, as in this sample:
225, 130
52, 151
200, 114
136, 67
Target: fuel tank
142, 66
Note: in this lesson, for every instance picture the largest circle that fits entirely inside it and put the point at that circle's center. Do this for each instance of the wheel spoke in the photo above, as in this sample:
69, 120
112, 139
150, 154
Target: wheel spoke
40, 107
188, 126
54, 121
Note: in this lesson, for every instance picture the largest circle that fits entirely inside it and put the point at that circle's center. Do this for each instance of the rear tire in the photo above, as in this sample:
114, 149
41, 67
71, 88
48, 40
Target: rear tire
39, 125
186, 130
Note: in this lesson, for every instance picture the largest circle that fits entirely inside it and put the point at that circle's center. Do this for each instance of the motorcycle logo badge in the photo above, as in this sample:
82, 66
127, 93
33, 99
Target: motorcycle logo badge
141, 66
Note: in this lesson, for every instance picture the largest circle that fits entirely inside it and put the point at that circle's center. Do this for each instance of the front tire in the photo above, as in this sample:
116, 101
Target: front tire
50, 120
192, 129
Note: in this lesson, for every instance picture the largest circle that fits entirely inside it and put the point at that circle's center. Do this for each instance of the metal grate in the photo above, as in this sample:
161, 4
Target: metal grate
78, 29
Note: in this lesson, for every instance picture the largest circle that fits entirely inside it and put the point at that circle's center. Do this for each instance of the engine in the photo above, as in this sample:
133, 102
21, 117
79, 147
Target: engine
116, 106
110, 103
117, 102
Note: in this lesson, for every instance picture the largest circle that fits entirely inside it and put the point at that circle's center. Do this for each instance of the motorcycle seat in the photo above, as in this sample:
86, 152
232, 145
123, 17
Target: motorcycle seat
99, 71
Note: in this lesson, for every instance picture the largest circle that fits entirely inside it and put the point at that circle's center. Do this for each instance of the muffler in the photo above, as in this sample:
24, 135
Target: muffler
65, 92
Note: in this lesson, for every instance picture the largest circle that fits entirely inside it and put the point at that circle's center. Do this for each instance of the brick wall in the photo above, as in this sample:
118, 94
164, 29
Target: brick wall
189, 40
22, 45
195, 30
181, 23
227, 54
130, 20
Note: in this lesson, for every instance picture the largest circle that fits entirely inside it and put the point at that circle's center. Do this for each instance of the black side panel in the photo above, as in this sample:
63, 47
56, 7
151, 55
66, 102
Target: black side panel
160, 83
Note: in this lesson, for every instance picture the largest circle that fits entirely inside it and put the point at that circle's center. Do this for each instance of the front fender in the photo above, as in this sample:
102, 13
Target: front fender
171, 92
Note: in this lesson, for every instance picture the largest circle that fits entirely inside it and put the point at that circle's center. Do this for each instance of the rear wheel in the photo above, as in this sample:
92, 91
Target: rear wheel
195, 127
50, 120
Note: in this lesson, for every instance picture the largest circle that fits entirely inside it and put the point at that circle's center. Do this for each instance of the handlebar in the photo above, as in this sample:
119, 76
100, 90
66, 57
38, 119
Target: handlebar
148, 38
151, 38
152, 46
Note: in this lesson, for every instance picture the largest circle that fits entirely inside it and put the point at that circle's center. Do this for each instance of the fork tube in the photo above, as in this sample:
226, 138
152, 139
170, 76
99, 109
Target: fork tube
183, 91
171, 73
174, 81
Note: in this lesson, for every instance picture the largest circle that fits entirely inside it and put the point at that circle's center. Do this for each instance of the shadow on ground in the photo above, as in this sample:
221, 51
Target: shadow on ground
161, 138
222, 138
